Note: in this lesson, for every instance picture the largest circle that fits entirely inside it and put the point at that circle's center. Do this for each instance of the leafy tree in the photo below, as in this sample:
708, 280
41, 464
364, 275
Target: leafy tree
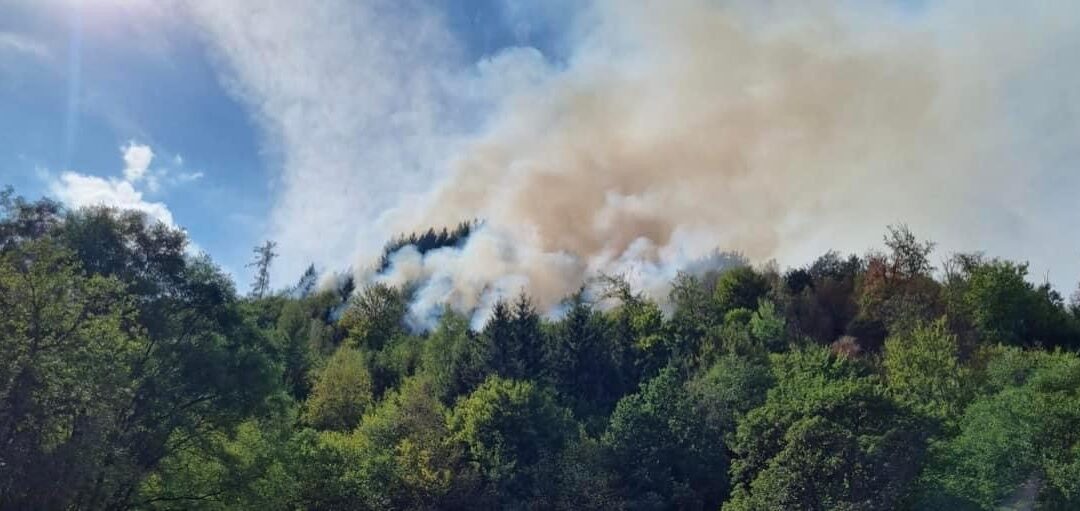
728, 389
408, 435
827, 437
922, 369
22, 220
399, 457
206, 364
819, 301
509, 431
1024, 434
395, 362
768, 327
67, 344
663, 451
341, 394
1002, 306
746, 333
897, 290
640, 341
251, 468
581, 480
909, 256
374, 317
331, 471
740, 288
695, 310
733, 337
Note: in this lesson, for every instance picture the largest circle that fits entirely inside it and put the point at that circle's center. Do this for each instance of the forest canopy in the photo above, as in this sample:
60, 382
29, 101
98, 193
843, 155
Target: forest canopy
133, 375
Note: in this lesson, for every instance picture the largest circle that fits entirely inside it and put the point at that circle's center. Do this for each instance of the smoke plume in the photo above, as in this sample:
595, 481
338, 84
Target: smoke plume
671, 129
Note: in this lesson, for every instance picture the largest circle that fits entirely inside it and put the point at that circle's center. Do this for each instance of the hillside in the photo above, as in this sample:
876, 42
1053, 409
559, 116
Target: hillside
134, 376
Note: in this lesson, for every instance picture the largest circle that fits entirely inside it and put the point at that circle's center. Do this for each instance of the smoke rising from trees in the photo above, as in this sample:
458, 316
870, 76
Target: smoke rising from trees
669, 130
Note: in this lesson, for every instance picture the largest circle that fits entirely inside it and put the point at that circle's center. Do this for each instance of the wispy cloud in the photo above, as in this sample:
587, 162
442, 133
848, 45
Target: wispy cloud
22, 44
187, 177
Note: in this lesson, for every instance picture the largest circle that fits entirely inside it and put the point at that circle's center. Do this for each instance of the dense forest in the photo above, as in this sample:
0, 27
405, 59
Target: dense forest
133, 375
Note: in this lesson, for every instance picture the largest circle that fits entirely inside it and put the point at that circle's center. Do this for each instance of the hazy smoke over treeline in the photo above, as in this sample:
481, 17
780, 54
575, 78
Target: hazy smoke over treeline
668, 130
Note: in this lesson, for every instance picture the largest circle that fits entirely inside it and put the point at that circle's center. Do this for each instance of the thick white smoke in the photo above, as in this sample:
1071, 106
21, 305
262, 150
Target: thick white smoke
673, 128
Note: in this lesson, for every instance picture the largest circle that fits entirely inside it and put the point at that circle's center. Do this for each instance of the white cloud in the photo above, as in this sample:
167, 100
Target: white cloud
187, 177
126, 191
79, 190
19, 43
137, 159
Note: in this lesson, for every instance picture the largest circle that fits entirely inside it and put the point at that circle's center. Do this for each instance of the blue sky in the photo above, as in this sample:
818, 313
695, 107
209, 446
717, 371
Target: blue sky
156, 89
82, 80
594, 136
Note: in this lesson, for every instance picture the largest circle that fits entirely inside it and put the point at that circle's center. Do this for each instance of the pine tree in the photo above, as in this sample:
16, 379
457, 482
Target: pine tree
528, 338
500, 335
307, 283
264, 256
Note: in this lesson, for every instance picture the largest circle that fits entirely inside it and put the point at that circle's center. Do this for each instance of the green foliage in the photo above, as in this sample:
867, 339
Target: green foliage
695, 310
375, 316
427, 241
740, 288
1002, 306
510, 432
249, 469
293, 335
635, 335
407, 436
517, 344
395, 362
67, 346
22, 220
731, 338
579, 479
999, 300
454, 359
1024, 434
747, 334
200, 362
398, 458
896, 291
768, 327
827, 437
923, 370
819, 301
133, 377
588, 365
729, 389
665, 449
341, 394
